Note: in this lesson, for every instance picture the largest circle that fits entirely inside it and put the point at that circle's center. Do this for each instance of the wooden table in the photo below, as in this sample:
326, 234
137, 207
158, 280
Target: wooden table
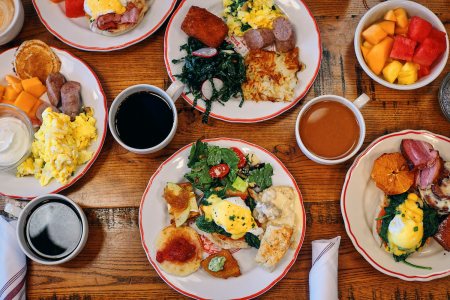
114, 265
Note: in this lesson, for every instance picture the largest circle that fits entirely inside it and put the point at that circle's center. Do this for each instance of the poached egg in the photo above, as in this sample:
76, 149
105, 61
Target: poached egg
96, 8
232, 214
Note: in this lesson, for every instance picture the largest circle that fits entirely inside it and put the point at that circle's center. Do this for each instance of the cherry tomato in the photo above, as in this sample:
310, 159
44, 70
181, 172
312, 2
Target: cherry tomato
241, 156
219, 171
380, 220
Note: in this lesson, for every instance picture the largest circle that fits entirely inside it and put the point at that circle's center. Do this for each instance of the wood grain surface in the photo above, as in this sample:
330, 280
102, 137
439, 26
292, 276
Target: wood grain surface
114, 266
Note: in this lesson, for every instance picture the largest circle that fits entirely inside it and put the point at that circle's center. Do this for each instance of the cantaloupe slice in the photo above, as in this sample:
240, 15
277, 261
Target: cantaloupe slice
32, 113
2, 91
402, 31
402, 17
367, 45
34, 87
14, 82
374, 34
388, 26
390, 16
365, 51
25, 101
378, 55
10, 94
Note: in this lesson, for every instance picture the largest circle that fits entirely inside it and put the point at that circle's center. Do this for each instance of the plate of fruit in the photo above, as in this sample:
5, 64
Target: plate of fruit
401, 44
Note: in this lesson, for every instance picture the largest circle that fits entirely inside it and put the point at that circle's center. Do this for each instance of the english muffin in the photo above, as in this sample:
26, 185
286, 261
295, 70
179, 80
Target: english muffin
34, 58
179, 250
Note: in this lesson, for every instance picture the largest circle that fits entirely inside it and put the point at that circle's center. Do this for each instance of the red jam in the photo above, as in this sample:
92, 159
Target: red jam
177, 250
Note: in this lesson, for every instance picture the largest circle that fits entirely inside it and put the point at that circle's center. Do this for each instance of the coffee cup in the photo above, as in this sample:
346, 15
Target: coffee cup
12, 22
143, 118
331, 129
51, 229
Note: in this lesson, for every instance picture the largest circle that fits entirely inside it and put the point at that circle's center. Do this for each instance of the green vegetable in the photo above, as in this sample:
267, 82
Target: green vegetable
262, 177
199, 176
216, 264
240, 184
252, 240
209, 226
251, 203
199, 150
227, 66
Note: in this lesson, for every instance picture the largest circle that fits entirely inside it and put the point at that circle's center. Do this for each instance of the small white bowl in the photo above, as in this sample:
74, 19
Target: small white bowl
376, 13
16, 24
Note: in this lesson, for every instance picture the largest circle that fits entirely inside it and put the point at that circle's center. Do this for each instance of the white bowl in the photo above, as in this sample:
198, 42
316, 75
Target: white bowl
16, 24
376, 13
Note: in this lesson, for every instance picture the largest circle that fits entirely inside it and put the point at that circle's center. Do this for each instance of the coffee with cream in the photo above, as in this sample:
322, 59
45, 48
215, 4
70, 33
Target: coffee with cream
6, 14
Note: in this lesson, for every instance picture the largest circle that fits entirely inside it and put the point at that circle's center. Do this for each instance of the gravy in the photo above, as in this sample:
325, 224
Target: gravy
6, 14
329, 129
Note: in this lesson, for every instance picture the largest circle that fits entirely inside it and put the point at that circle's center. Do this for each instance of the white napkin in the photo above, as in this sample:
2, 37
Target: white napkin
323, 280
13, 263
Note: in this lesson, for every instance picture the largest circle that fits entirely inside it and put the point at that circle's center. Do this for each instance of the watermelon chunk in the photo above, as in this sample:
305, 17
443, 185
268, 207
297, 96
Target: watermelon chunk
440, 38
419, 29
427, 52
423, 71
74, 8
403, 48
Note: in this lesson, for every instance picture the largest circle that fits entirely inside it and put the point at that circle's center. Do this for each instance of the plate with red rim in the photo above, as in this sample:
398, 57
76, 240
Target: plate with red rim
75, 32
254, 281
308, 41
93, 96
360, 205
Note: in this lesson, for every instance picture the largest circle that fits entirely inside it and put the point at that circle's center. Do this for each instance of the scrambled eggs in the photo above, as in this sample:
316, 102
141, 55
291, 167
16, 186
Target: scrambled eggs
405, 231
232, 214
243, 15
59, 147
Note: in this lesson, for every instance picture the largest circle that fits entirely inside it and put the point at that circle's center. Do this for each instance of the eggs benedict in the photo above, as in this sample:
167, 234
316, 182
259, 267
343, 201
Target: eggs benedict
405, 223
228, 223
115, 17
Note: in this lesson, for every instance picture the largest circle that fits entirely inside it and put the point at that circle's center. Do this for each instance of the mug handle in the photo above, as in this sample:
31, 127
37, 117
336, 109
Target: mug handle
175, 89
361, 101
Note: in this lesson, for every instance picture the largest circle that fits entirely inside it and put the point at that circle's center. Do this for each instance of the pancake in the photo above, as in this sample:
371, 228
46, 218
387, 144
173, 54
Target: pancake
35, 58
181, 242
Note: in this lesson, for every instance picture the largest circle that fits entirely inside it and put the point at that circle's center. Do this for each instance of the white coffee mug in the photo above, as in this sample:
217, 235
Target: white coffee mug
354, 106
16, 24
23, 228
170, 96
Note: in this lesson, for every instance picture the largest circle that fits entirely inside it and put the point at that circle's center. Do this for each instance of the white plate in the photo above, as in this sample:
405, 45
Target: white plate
308, 41
76, 33
93, 96
153, 217
360, 201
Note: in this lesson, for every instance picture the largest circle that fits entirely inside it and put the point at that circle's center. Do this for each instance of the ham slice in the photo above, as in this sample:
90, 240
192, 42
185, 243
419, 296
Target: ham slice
427, 176
418, 154
112, 20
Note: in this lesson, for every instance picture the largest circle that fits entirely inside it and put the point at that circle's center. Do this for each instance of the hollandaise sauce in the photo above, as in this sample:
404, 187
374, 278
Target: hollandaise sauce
14, 139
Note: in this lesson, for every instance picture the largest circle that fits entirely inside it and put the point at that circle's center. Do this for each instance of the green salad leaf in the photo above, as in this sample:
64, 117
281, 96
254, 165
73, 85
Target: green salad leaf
262, 177
209, 226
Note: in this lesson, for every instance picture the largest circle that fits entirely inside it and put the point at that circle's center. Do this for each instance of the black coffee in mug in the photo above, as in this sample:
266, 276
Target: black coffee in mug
144, 120
53, 229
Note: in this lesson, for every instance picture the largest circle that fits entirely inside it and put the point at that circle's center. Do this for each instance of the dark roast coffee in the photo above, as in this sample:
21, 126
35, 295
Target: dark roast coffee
53, 229
143, 120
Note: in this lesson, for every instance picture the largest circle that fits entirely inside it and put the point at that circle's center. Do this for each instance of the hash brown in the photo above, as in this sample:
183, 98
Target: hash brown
271, 76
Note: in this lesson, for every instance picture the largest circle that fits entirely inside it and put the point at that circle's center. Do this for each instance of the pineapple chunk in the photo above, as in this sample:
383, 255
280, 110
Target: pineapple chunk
408, 74
390, 16
391, 71
402, 17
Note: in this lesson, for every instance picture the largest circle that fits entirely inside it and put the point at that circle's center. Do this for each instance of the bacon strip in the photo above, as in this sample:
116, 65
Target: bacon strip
112, 20
427, 176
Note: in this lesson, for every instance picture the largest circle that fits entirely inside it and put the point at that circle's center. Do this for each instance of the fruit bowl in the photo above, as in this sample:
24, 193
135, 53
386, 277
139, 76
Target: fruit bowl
375, 14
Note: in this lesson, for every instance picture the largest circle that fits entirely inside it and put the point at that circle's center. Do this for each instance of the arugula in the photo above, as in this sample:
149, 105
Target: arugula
262, 177
252, 240
199, 150
227, 65
199, 175
209, 226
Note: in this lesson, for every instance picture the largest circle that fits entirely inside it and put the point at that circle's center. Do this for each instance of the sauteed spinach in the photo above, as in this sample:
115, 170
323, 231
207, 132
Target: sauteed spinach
227, 66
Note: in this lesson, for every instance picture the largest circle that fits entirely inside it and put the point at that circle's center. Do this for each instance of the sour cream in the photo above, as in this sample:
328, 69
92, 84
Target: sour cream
6, 14
14, 140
